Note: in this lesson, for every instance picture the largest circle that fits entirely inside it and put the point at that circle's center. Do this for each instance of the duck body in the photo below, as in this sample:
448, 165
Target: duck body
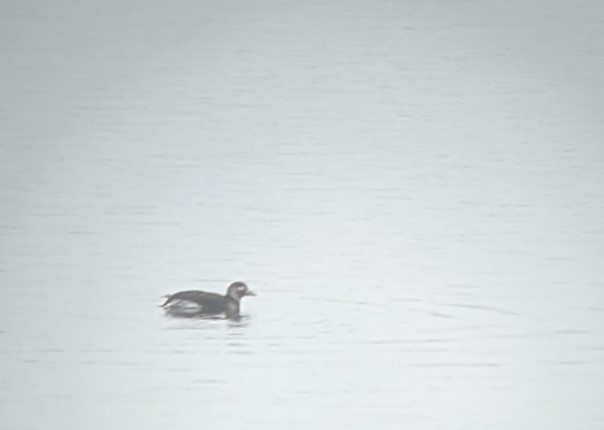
194, 303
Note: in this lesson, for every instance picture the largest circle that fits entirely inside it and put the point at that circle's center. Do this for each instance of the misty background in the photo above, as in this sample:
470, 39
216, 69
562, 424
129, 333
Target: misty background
414, 190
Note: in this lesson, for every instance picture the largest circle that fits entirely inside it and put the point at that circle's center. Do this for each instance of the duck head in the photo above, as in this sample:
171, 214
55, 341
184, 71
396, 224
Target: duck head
237, 290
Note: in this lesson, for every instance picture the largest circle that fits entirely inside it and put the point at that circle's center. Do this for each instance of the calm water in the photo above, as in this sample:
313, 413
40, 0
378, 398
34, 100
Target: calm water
414, 189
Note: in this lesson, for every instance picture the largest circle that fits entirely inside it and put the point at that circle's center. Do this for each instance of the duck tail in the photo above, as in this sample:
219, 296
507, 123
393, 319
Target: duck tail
167, 297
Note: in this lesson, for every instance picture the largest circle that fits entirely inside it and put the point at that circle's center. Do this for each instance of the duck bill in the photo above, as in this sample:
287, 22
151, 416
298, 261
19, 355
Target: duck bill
250, 293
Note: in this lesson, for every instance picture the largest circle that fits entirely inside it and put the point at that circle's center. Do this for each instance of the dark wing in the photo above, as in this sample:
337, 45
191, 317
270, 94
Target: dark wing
181, 295
211, 303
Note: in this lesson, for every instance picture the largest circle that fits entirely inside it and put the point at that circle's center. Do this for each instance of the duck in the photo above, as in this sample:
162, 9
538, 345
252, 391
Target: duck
194, 303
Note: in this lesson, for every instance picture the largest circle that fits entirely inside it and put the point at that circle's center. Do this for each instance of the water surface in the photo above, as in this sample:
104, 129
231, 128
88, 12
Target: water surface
414, 190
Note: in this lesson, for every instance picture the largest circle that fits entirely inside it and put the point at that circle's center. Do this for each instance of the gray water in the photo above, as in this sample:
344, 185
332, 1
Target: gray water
414, 190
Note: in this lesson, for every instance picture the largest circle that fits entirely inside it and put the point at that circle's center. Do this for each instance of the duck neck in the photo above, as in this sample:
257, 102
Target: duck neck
232, 309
